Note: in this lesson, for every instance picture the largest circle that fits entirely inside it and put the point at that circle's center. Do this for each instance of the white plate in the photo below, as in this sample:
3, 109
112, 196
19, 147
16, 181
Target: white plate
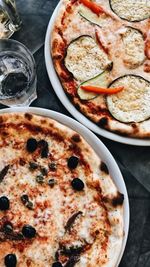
66, 102
99, 148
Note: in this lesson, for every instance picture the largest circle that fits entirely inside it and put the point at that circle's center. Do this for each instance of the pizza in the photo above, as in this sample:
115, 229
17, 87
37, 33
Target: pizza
59, 206
101, 52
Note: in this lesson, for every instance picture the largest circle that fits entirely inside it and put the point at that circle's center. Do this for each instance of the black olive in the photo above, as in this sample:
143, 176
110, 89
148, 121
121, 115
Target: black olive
44, 171
57, 264
42, 143
29, 205
4, 203
10, 260
8, 227
73, 162
77, 184
44, 148
31, 144
44, 152
28, 231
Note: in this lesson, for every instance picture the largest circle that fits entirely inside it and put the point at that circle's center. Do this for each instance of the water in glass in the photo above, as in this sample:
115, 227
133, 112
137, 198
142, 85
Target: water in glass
17, 75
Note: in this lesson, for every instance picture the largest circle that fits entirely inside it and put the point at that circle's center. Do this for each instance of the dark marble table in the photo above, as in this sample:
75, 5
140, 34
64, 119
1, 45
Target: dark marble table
134, 162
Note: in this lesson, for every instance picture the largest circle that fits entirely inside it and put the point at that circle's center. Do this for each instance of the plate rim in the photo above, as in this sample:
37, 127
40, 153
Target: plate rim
98, 146
57, 87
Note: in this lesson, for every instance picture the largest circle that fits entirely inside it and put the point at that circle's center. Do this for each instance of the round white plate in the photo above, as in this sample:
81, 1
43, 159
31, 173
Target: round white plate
66, 102
99, 148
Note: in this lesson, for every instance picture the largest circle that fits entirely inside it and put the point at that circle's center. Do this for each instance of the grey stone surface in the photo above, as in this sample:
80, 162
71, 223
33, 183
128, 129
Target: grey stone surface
134, 162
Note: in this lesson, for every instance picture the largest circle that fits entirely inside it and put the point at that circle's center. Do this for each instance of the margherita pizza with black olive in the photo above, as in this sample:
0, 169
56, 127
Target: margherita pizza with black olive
58, 204
101, 52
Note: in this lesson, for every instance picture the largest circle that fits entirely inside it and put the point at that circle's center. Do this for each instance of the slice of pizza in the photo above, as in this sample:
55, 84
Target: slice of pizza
58, 204
102, 56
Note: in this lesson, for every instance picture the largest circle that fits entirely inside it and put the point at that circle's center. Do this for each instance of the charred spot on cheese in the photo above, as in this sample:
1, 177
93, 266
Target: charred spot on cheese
118, 200
22, 162
1, 120
71, 220
104, 168
4, 172
103, 122
85, 59
131, 10
133, 46
76, 138
28, 116
115, 201
132, 104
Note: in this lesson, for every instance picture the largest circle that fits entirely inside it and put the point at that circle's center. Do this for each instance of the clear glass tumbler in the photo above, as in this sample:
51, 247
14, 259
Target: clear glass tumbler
9, 18
17, 74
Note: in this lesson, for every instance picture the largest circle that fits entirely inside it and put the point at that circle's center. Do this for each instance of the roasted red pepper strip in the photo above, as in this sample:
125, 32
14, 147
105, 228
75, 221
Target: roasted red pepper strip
100, 90
93, 6
147, 48
105, 49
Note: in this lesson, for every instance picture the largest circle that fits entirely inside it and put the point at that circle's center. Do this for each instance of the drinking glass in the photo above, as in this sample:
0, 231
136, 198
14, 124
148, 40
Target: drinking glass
9, 18
17, 74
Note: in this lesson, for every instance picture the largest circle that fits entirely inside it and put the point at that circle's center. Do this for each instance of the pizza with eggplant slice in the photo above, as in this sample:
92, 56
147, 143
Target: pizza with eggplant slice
59, 206
101, 52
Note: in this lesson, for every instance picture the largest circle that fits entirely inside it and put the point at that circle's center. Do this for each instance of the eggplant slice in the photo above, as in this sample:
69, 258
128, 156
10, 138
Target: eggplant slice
90, 16
101, 80
131, 10
133, 103
85, 59
133, 44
